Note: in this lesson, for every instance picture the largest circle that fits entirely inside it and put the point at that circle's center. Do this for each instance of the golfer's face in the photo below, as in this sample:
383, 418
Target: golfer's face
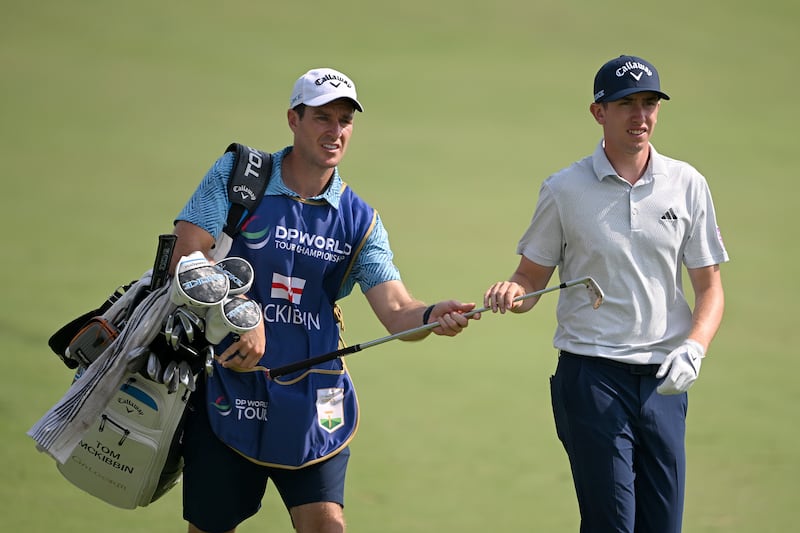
324, 132
628, 123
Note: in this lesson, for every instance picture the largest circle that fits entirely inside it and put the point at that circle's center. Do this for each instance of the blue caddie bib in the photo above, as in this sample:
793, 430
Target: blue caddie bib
301, 251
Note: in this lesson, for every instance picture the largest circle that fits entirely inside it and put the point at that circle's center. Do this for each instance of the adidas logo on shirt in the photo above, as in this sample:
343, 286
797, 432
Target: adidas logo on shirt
669, 215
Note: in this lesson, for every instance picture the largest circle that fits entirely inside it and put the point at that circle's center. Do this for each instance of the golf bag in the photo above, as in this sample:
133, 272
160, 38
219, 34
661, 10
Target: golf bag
130, 456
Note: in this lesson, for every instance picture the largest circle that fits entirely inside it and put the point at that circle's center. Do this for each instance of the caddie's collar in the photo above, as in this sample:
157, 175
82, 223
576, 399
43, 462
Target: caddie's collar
332, 193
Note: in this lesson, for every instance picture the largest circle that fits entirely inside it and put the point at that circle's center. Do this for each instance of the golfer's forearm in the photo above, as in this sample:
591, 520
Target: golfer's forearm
531, 277
707, 316
526, 286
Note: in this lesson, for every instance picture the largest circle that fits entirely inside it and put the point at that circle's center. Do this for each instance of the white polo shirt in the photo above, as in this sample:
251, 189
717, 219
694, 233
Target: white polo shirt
632, 240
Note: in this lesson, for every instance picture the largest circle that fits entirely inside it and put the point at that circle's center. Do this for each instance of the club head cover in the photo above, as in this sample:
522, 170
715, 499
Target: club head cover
198, 283
240, 274
234, 315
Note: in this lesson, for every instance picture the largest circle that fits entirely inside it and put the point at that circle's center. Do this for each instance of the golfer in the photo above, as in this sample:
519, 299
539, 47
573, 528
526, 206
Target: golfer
631, 218
310, 241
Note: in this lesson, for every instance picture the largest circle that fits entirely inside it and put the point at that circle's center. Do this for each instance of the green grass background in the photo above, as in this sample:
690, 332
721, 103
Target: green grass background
111, 112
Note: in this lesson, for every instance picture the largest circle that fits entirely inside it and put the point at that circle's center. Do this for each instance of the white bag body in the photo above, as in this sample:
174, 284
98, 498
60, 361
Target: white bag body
130, 456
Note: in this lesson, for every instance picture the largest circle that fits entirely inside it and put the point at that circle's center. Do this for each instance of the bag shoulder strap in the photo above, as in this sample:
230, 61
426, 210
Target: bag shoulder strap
249, 179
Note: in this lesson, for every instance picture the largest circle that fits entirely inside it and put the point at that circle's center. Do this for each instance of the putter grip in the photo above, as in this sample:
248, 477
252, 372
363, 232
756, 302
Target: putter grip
307, 363
166, 245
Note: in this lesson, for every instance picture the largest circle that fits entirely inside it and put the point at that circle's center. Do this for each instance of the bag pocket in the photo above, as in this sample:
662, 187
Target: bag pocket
91, 341
130, 456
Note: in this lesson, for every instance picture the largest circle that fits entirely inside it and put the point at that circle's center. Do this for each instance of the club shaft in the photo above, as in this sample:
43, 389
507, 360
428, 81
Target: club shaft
306, 363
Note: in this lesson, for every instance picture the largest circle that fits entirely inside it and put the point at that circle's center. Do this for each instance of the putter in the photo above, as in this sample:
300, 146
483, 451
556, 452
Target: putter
594, 290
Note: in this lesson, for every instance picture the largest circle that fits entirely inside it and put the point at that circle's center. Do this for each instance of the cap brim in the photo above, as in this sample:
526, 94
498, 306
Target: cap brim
629, 91
328, 98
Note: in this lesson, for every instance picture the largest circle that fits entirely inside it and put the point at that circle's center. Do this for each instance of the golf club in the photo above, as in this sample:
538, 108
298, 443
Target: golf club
595, 293
166, 245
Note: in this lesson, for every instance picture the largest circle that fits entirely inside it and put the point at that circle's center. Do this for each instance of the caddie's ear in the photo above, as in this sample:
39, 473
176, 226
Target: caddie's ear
293, 118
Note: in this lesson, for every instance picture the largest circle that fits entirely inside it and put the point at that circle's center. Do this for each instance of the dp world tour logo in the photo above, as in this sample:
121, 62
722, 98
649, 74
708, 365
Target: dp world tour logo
222, 406
287, 288
254, 238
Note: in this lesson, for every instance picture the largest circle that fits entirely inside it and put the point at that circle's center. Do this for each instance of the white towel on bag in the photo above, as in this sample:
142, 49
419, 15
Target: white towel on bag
62, 427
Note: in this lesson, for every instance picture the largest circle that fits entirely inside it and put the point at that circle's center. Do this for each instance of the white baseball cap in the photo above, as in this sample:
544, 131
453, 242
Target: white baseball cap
319, 86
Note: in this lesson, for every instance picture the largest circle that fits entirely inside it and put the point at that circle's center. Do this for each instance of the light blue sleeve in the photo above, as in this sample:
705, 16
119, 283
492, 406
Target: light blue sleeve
374, 265
208, 207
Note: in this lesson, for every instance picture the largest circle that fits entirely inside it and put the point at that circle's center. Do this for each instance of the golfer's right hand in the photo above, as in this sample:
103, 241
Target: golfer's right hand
500, 296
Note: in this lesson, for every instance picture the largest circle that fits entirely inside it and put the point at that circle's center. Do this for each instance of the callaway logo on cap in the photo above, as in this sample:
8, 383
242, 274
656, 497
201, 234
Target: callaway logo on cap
320, 86
624, 76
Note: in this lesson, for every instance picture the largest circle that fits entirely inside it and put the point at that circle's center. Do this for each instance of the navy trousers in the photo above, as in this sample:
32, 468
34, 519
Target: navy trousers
625, 443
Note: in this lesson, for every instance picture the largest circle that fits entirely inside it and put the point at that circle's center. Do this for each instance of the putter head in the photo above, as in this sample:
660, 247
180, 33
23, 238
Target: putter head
595, 292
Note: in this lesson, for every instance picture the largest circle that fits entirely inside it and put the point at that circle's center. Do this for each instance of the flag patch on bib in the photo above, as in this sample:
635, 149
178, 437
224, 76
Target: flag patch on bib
330, 409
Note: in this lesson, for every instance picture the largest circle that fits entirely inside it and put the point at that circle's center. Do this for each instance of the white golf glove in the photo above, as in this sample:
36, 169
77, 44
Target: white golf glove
681, 368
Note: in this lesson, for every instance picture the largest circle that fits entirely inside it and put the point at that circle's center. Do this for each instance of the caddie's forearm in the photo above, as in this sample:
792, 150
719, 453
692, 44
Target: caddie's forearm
191, 238
413, 317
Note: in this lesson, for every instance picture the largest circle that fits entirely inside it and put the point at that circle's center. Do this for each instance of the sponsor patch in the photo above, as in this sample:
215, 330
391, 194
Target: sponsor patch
330, 409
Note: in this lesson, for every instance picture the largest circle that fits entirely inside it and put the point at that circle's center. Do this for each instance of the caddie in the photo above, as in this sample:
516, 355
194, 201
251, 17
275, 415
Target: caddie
310, 241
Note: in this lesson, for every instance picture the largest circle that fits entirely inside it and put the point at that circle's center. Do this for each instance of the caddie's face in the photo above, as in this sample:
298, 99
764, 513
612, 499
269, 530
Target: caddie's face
321, 136
628, 123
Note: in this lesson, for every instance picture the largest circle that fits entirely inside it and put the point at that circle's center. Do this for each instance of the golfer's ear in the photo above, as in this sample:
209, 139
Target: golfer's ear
598, 111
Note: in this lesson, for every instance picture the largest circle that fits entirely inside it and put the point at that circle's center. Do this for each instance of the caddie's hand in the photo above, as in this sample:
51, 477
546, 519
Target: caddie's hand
246, 351
681, 368
500, 296
450, 316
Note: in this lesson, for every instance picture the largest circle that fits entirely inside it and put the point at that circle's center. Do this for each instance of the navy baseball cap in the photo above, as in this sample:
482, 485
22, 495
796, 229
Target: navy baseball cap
626, 75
